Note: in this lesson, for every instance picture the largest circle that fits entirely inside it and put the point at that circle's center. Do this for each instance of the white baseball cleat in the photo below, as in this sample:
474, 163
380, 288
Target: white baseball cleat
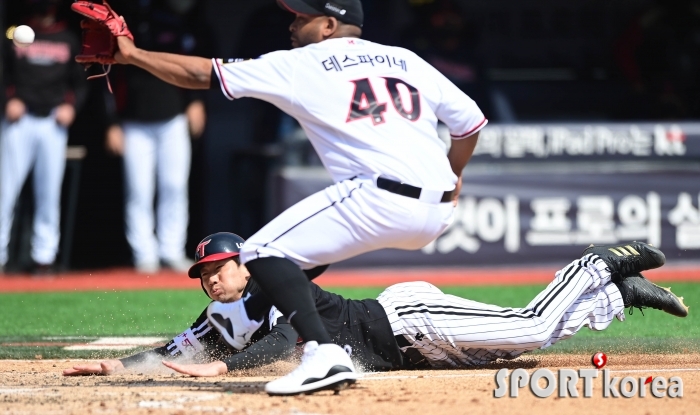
231, 320
325, 366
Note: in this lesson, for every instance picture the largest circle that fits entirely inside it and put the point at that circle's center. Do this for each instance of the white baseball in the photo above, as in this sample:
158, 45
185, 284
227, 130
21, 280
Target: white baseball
23, 36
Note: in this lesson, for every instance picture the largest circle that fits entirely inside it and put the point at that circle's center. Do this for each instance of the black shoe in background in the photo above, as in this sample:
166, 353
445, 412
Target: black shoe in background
43, 270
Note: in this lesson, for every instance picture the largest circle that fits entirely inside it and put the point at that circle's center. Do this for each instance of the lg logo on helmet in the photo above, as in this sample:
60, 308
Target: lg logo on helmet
200, 248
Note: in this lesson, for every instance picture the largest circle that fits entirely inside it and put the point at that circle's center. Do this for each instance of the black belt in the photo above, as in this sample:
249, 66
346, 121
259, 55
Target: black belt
407, 190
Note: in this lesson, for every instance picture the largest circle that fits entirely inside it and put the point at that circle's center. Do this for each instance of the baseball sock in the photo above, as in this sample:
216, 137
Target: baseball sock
287, 287
258, 304
315, 272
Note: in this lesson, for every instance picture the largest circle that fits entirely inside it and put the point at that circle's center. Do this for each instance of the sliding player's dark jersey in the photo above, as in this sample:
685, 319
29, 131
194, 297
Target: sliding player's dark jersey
360, 326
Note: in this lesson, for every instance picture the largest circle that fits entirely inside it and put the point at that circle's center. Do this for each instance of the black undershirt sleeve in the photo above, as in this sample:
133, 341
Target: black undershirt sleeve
315, 272
214, 80
276, 345
207, 338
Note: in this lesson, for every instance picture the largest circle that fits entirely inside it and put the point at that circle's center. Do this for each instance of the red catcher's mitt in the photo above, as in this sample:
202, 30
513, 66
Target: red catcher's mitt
100, 30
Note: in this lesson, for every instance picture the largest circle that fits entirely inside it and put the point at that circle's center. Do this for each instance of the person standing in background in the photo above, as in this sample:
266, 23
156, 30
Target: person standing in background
44, 89
151, 125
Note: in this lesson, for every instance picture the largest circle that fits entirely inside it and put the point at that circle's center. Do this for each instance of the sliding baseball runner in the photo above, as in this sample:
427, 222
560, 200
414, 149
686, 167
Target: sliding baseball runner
413, 325
371, 111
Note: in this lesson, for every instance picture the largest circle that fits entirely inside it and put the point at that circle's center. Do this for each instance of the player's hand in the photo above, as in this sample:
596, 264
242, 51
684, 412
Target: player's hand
15, 109
65, 114
458, 189
114, 142
106, 367
216, 368
126, 49
197, 118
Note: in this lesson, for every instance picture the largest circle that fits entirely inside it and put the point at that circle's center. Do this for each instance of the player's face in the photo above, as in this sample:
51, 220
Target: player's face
307, 30
224, 280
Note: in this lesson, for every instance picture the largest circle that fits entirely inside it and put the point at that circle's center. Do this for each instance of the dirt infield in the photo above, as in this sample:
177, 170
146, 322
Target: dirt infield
38, 387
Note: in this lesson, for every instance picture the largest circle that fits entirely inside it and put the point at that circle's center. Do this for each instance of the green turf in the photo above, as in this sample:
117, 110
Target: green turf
99, 313
33, 317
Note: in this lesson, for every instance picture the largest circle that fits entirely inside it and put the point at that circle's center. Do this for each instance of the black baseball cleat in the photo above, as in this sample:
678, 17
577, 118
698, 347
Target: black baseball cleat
639, 292
628, 258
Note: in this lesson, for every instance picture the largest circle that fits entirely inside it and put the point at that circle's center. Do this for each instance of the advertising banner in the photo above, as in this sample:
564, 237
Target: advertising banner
586, 188
508, 143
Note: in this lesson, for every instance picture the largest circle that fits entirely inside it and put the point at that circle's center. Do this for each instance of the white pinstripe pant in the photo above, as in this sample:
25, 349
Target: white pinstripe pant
451, 331
38, 144
157, 153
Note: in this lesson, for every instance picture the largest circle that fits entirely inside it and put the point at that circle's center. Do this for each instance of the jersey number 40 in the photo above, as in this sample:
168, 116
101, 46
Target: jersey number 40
364, 101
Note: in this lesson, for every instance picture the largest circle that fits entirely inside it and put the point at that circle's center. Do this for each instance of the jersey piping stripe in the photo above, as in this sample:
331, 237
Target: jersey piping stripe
204, 326
458, 313
401, 307
562, 284
493, 336
217, 68
199, 334
471, 326
309, 217
556, 289
582, 314
513, 313
583, 262
554, 293
174, 350
468, 311
506, 310
472, 131
469, 323
494, 313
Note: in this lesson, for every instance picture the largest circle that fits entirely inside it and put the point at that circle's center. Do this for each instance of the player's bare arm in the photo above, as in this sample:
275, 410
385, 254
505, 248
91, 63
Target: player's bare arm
459, 155
216, 368
14, 109
461, 152
191, 72
106, 367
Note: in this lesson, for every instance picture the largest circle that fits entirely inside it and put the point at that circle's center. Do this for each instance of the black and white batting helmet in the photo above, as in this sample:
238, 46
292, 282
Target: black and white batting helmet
215, 247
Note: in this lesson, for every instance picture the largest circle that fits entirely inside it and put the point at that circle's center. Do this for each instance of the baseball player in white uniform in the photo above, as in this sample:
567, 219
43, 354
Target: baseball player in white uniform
44, 87
151, 125
412, 325
371, 112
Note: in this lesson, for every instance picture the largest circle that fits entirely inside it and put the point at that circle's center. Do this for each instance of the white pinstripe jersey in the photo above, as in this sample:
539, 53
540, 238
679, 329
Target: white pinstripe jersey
450, 331
431, 320
367, 108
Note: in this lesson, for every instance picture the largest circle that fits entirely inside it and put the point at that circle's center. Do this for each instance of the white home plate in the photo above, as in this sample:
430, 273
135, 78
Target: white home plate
117, 343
